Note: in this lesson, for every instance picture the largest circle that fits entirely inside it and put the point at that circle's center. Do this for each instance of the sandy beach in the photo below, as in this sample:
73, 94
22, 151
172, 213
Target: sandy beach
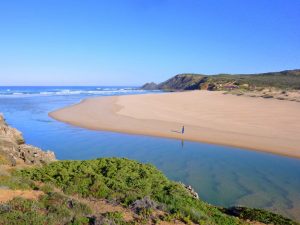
260, 124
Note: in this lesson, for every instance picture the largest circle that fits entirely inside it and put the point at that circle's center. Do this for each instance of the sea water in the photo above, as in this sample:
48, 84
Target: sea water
221, 175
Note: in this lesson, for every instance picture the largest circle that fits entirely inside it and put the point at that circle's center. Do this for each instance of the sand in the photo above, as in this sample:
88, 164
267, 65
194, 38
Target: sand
268, 125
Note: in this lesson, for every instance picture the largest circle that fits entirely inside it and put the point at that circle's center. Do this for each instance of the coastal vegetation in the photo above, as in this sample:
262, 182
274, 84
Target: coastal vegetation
69, 187
125, 181
51, 208
138, 186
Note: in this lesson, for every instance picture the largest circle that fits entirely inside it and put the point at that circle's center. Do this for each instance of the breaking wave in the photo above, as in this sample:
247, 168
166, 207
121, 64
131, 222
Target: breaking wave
43, 91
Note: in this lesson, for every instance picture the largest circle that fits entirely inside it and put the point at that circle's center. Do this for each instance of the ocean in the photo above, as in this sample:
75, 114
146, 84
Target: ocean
223, 176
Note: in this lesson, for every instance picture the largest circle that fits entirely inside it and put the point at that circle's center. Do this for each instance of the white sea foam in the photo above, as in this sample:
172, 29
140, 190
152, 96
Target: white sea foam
64, 92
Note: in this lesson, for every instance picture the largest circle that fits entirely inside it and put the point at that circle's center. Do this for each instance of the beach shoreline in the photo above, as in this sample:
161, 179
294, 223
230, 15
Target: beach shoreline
265, 125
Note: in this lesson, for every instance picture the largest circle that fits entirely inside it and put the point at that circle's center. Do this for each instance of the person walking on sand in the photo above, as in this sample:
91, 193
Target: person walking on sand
182, 130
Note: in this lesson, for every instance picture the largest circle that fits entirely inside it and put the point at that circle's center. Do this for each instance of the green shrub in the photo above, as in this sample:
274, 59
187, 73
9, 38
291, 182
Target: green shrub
17, 182
259, 215
52, 208
46, 188
125, 181
80, 221
114, 215
21, 211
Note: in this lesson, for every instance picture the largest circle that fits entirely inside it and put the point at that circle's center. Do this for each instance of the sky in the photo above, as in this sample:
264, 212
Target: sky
130, 42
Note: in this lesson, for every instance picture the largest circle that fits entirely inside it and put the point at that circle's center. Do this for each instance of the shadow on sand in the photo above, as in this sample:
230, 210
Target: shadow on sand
176, 131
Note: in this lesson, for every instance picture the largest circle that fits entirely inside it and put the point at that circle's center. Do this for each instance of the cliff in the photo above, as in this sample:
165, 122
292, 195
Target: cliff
13, 148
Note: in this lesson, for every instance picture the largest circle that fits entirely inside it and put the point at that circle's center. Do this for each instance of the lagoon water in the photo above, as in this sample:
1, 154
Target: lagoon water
221, 175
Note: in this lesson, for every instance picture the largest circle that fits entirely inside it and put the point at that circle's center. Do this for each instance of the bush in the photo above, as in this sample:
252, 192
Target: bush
259, 215
52, 208
125, 181
16, 182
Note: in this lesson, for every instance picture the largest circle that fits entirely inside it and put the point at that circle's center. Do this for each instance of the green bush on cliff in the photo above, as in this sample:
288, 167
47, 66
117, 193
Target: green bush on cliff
16, 182
52, 208
258, 215
125, 181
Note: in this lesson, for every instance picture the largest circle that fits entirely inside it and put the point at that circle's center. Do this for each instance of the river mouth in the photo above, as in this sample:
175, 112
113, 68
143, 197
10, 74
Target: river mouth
221, 175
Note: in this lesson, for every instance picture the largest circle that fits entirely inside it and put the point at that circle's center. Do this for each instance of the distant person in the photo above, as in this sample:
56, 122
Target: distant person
182, 130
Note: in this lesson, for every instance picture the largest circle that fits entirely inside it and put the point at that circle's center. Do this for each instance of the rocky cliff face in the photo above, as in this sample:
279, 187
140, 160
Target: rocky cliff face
13, 148
183, 82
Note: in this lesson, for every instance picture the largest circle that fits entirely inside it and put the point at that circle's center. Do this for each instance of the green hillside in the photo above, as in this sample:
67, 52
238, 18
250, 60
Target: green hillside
288, 79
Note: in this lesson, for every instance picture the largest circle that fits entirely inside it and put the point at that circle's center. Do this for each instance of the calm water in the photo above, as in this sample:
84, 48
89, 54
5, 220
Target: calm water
221, 175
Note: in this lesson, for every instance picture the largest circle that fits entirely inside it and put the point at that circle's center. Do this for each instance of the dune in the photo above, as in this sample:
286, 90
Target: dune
267, 125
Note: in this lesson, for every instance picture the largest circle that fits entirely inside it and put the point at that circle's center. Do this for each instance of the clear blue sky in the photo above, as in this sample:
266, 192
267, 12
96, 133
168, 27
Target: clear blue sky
129, 42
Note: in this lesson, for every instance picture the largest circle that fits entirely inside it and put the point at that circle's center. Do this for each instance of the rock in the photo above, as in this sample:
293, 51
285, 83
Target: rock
13, 148
183, 82
33, 155
190, 190
211, 87
267, 96
10, 132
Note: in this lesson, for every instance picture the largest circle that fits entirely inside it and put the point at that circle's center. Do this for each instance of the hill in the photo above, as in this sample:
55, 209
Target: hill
288, 79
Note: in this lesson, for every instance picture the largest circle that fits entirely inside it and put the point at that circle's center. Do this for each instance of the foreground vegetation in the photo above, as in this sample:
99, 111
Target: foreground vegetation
52, 208
140, 187
125, 181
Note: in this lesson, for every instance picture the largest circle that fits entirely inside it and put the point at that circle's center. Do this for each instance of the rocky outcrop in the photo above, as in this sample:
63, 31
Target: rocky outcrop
183, 82
190, 190
13, 148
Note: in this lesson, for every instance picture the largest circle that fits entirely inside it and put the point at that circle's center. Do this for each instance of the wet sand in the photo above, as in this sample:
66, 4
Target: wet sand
267, 125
